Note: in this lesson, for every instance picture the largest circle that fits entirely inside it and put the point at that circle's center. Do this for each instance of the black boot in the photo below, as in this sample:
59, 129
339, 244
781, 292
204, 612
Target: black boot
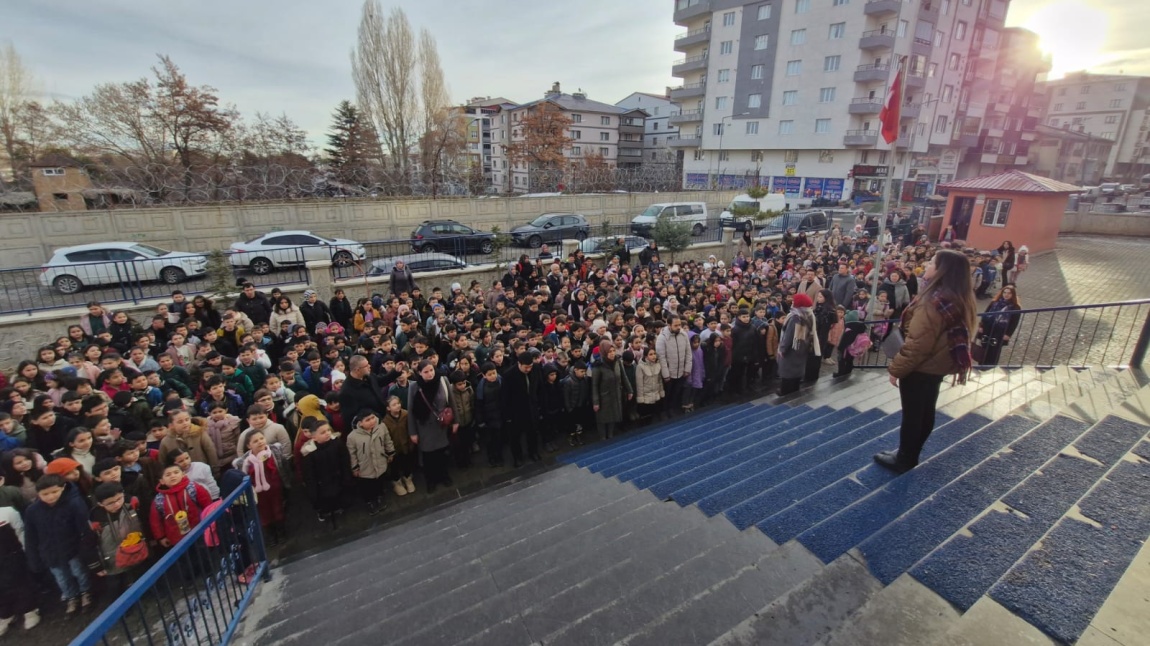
889, 460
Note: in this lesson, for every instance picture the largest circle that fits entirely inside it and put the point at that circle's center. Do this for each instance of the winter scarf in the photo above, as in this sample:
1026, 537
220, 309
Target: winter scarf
259, 477
956, 333
806, 331
429, 391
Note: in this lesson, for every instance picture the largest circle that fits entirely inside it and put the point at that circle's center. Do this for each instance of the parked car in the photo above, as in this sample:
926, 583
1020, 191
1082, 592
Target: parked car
694, 214
816, 221
770, 202
71, 269
418, 263
1111, 189
1090, 193
1128, 189
450, 236
603, 244
284, 248
551, 227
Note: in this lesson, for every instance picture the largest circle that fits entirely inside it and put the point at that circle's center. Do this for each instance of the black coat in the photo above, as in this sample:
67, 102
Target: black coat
56, 534
326, 470
358, 394
519, 396
489, 403
314, 314
340, 312
746, 345
258, 307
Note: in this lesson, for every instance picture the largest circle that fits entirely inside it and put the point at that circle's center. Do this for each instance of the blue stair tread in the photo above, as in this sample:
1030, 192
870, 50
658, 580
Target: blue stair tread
719, 473
801, 499
759, 437
731, 437
833, 537
896, 547
675, 434
1060, 586
587, 454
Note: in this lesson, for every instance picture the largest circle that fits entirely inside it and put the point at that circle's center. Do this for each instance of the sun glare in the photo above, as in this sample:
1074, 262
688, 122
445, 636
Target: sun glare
1072, 32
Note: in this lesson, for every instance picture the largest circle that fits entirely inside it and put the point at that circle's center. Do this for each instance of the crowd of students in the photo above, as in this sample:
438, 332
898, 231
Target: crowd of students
118, 436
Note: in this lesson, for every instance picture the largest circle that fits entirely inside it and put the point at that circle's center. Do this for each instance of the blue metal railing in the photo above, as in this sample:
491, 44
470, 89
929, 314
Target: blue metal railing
1077, 336
194, 594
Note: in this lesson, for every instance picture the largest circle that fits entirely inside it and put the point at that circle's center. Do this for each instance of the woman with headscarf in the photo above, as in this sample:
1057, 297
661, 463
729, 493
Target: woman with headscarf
402, 281
800, 340
609, 389
426, 399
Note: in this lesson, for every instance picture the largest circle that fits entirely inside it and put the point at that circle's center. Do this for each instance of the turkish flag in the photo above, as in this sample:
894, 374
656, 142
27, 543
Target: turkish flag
890, 112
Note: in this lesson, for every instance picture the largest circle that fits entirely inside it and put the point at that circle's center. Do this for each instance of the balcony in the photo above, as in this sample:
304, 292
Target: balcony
921, 46
864, 74
910, 111
967, 139
877, 39
1027, 135
630, 143
865, 105
631, 152
686, 116
685, 10
860, 138
689, 90
915, 81
691, 38
685, 140
928, 10
689, 64
881, 7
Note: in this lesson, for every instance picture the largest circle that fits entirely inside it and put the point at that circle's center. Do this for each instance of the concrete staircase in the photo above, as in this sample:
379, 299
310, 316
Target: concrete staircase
768, 523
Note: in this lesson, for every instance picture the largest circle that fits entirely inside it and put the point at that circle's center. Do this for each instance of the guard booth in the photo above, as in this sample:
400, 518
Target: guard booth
1023, 208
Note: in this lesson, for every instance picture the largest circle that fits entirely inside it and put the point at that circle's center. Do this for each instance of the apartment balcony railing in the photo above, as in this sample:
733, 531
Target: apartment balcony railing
689, 64
860, 138
911, 111
691, 38
882, 7
686, 116
685, 141
689, 90
916, 81
686, 10
865, 105
877, 39
921, 46
871, 73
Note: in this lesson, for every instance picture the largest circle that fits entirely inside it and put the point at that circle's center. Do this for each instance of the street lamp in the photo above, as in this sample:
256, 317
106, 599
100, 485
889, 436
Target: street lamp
723, 131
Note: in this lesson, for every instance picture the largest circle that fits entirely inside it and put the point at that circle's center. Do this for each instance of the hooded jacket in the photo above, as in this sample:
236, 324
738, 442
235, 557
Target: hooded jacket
53, 535
674, 352
196, 442
649, 382
368, 451
186, 496
326, 468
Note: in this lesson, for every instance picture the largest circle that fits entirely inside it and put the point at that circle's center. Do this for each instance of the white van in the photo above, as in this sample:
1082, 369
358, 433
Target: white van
769, 202
692, 213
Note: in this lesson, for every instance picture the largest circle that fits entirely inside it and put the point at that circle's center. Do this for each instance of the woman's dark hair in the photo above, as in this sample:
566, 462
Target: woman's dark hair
952, 281
828, 298
1013, 300
12, 477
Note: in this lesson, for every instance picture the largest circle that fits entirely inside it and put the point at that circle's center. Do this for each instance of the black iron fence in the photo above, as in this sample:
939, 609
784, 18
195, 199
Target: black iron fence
1104, 334
112, 280
196, 593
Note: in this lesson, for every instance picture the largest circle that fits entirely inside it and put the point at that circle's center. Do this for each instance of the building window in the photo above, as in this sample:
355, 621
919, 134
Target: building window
794, 68
798, 36
724, 76
939, 36
752, 127
826, 156
764, 12
717, 129
1058, 107
827, 95
790, 156
698, 155
946, 7
996, 214
1085, 90
53, 171
725, 155
960, 30
947, 93
1054, 122
790, 97
604, 121
728, 18
953, 62
940, 124
604, 152
756, 155
575, 118
756, 72
576, 134
754, 101
655, 125
837, 31
786, 127
726, 47
832, 63
762, 41
654, 141
802, 6
720, 103
840, 3
822, 126
1119, 87
1112, 118
1107, 135
902, 27
1081, 105
1116, 103
604, 136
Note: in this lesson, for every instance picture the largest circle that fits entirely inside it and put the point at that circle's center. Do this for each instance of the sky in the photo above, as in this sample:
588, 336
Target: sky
292, 56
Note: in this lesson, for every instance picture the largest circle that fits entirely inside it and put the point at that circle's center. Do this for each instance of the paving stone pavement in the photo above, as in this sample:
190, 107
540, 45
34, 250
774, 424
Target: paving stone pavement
1087, 269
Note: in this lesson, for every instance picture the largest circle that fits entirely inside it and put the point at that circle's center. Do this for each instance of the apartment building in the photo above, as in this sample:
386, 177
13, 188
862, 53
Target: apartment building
484, 116
1107, 106
597, 129
788, 92
1069, 156
657, 129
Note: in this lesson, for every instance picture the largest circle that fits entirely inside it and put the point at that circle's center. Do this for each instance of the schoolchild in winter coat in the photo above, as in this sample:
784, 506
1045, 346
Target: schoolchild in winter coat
120, 540
15, 579
182, 434
402, 468
370, 451
461, 398
550, 406
224, 430
426, 399
326, 469
177, 507
55, 531
577, 403
267, 466
649, 385
489, 412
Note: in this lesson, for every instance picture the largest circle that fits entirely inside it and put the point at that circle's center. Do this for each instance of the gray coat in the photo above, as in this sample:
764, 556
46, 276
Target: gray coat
792, 362
432, 436
609, 388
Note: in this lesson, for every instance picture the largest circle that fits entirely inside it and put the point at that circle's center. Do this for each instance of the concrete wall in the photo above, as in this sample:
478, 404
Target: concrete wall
28, 239
1107, 224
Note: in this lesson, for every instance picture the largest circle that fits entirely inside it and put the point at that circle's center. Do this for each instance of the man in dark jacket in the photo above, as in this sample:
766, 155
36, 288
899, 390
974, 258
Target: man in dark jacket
843, 286
648, 253
489, 412
254, 304
520, 401
55, 531
402, 281
361, 390
743, 354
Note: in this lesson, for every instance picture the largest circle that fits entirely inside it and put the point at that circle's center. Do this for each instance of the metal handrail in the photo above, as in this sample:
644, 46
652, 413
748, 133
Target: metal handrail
693, 32
116, 615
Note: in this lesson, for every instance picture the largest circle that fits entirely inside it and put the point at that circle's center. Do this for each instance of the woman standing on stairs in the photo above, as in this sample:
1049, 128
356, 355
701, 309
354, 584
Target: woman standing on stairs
997, 325
609, 386
936, 327
800, 340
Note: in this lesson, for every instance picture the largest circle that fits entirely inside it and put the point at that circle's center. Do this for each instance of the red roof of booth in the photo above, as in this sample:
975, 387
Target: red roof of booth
1013, 181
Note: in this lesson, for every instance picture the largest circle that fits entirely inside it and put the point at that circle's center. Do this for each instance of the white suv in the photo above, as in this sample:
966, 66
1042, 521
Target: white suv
103, 263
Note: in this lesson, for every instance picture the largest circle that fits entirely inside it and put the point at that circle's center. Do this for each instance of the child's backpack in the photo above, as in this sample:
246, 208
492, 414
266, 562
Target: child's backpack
858, 348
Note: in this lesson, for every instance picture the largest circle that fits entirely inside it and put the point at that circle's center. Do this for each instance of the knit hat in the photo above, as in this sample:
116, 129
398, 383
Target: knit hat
362, 415
308, 293
802, 300
61, 467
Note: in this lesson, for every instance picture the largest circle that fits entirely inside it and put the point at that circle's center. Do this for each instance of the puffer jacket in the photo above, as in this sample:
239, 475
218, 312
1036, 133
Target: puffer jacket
186, 496
926, 347
488, 410
462, 404
649, 382
674, 352
397, 428
54, 535
369, 450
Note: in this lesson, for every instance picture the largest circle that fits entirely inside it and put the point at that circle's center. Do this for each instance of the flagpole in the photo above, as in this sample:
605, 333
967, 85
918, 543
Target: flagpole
896, 99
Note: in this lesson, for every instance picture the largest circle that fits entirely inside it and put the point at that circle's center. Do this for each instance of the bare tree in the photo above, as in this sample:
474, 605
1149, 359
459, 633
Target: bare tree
15, 90
443, 137
384, 68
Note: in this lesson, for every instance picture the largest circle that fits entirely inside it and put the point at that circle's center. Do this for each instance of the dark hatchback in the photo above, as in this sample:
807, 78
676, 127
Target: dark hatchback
451, 237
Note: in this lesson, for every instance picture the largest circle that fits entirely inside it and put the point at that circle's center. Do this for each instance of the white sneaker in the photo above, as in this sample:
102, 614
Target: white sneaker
5, 624
31, 619
398, 488
410, 484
